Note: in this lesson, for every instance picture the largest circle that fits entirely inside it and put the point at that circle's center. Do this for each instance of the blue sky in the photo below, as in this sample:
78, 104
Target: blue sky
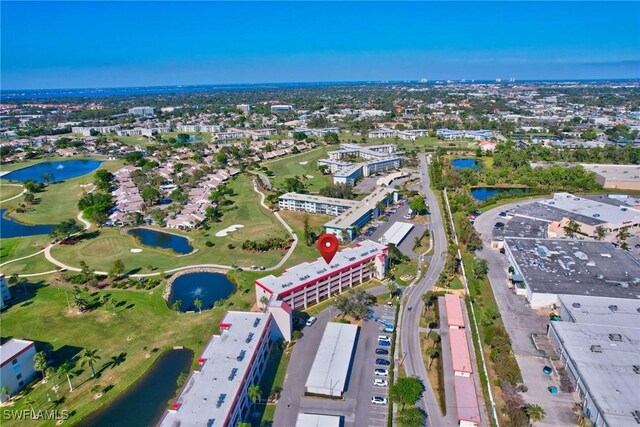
100, 44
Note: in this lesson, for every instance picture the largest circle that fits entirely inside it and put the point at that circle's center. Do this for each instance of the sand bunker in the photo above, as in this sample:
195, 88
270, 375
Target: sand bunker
226, 231
303, 163
136, 251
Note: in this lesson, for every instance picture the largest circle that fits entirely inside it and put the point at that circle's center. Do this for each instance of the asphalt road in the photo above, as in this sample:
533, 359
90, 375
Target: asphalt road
413, 306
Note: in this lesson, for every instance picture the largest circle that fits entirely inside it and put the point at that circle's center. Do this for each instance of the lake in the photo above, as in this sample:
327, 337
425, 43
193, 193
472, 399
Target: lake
159, 239
483, 193
465, 164
146, 401
9, 228
208, 287
60, 170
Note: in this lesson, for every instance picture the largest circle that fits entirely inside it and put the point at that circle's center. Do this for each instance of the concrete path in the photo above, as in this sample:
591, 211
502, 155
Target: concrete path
21, 258
24, 190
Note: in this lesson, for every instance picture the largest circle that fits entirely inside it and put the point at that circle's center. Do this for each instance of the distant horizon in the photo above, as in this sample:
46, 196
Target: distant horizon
504, 80
118, 44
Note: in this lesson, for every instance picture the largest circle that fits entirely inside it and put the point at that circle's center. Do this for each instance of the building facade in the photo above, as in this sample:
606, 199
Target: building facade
315, 204
310, 283
16, 365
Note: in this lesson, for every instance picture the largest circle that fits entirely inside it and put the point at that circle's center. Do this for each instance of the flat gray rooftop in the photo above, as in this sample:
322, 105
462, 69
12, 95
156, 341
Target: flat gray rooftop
318, 420
330, 369
615, 172
597, 210
558, 266
601, 310
546, 212
348, 218
319, 199
207, 398
11, 348
609, 374
615, 199
522, 227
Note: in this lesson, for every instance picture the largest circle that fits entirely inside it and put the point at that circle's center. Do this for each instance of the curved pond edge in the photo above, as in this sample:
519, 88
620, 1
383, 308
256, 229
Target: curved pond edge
125, 231
167, 289
111, 399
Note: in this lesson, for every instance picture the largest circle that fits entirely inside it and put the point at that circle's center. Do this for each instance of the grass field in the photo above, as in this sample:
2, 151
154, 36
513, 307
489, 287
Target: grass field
140, 331
100, 252
58, 201
9, 190
291, 166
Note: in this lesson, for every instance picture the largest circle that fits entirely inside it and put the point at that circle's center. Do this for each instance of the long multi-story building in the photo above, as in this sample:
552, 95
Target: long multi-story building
346, 226
142, 111
217, 393
16, 365
281, 108
315, 204
310, 283
380, 158
478, 135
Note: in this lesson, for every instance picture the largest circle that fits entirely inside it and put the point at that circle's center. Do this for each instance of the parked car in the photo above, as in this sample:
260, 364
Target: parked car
379, 382
379, 400
383, 338
381, 372
382, 351
383, 343
383, 362
503, 213
311, 321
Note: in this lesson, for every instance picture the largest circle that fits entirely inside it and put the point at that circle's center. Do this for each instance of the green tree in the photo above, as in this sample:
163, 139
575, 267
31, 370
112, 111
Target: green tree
29, 198
255, 394
66, 229
293, 185
429, 298
331, 138
40, 363
150, 195
299, 136
176, 305
601, 232
47, 177
411, 417
4, 391
418, 204
117, 269
623, 234
535, 413
406, 390
480, 268
198, 303
433, 354
89, 357
66, 370
572, 228
307, 231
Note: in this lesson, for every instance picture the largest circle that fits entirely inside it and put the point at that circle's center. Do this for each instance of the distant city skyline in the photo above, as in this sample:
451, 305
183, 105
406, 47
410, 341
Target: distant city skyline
49, 45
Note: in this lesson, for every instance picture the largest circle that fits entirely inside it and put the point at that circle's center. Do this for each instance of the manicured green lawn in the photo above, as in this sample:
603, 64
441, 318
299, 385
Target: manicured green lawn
141, 330
32, 265
9, 190
308, 172
19, 247
58, 201
258, 224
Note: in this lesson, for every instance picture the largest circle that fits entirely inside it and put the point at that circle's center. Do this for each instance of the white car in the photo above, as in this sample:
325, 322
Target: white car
378, 382
383, 338
311, 321
381, 372
379, 400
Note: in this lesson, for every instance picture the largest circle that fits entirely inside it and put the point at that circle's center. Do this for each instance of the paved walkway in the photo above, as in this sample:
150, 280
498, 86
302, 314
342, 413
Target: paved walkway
14, 197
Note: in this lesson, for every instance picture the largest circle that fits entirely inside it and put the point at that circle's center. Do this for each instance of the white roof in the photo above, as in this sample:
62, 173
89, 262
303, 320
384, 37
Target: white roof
12, 348
605, 212
601, 310
396, 233
318, 199
331, 365
348, 218
228, 358
308, 272
615, 172
318, 420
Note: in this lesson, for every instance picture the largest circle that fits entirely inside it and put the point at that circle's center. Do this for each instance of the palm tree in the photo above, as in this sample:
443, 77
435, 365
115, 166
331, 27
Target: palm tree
601, 232
65, 369
40, 362
572, 228
198, 303
4, 391
535, 413
429, 298
433, 353
89, 357
264, 301
392, 288
29, 401
623, 234
176, 305
254, 393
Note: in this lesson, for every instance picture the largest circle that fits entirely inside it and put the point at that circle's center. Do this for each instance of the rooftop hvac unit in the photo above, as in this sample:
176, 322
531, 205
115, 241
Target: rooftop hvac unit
596, 349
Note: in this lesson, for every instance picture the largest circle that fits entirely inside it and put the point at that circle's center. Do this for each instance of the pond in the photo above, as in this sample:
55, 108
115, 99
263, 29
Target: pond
159, 239
483, 193
191, 139
9, 228
465, 164
206, 286
59, 170
145, 402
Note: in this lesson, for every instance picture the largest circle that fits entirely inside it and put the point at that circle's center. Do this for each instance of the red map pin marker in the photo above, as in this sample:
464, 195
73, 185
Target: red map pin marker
328, 246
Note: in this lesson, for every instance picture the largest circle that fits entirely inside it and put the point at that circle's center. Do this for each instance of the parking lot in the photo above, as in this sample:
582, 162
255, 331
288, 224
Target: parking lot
356, 406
